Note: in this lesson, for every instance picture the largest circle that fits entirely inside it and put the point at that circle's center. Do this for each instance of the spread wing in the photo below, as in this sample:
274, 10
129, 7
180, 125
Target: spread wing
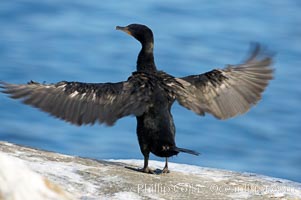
85, 103
228, 92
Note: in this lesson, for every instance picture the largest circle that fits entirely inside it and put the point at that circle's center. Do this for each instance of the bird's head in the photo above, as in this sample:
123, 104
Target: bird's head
141, 32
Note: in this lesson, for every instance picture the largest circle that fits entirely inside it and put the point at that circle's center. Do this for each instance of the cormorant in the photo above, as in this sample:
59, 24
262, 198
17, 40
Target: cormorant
149, 94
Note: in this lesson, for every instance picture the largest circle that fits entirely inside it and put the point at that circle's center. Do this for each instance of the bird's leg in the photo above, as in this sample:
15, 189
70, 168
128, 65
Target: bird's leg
165, 169
145, 168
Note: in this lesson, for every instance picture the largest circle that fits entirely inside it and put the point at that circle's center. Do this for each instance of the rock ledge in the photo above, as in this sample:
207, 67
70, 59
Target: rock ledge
80, 178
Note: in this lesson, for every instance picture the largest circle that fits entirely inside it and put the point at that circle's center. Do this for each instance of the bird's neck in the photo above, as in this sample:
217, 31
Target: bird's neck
146, 60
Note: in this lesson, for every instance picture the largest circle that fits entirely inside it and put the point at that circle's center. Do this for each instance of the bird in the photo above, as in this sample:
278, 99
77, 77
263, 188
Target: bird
148, 94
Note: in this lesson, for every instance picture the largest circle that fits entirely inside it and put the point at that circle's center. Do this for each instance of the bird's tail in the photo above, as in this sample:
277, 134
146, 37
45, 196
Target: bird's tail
187, 151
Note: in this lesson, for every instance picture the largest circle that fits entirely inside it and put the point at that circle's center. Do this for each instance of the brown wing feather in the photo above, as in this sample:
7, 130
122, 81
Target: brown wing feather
85, 103
230, 91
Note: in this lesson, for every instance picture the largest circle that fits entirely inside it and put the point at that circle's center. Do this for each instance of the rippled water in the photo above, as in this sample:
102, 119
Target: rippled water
55, 40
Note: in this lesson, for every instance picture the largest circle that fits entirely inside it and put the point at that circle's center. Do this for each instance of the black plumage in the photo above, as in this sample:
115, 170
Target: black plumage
149, 94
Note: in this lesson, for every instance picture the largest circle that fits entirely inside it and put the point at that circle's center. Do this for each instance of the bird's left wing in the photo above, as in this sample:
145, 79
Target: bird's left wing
84, 103
227, 92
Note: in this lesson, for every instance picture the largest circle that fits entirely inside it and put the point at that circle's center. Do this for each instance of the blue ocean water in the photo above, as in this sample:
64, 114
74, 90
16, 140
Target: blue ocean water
75, 40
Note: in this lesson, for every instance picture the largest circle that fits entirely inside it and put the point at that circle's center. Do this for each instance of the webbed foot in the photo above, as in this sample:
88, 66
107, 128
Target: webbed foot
146, 170
165, 170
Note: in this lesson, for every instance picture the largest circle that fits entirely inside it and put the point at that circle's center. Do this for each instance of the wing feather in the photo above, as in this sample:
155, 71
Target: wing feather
85, 103
230, 91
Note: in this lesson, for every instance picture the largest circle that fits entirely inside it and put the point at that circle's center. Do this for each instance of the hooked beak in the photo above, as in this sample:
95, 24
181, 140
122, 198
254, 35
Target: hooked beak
124, 29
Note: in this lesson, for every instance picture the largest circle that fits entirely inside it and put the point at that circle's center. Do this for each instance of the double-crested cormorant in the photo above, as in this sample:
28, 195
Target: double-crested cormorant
149, 94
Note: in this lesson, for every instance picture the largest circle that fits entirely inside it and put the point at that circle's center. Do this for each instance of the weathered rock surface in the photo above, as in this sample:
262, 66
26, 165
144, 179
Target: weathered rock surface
117, 179
18, 182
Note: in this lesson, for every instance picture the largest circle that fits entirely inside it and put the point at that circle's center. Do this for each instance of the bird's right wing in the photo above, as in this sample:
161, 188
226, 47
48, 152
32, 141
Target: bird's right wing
85, 103
227, 92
